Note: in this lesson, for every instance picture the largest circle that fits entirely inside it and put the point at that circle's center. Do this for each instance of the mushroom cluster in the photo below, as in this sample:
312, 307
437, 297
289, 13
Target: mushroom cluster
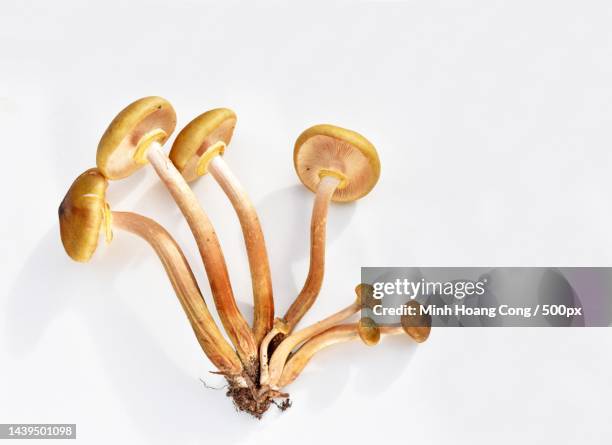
258, 361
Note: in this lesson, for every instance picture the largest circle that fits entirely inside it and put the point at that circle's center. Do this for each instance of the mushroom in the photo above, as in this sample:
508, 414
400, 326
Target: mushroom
133, 139
364, 294
198, 149
416, 326
368, 331
296, 364
270, 376
337, 165
84, 212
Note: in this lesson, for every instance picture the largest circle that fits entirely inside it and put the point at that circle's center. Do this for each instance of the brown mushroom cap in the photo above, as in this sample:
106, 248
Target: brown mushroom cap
368, 330
198, 136
416, 326
327, 149
82, 213
115, 157
365, 296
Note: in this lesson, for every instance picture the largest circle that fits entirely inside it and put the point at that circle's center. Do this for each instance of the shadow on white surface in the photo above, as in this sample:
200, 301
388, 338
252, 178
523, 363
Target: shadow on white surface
152, 389
168, 405
369, 371
32, 304
381, 366
323, 380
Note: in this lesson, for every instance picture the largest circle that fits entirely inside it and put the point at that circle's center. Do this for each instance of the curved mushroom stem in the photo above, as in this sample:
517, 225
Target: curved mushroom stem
255, 246
279, 357
234, 323
307, 296
299, 360
279, 327
338, 334
214, 345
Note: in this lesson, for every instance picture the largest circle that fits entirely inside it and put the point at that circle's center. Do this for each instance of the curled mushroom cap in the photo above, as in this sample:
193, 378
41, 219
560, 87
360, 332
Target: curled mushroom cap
202, 136
131, 131
327, 150
82, 213
365, 296
417, 326
368, 330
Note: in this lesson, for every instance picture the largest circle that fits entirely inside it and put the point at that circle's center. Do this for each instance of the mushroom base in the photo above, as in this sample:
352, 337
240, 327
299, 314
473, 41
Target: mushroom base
254, 401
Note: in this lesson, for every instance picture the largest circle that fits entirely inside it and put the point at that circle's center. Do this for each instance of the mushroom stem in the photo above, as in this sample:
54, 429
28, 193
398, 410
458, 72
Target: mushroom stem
214, 345
255, 246
312, 286
234, 323
279, 357
279, 328
338, 334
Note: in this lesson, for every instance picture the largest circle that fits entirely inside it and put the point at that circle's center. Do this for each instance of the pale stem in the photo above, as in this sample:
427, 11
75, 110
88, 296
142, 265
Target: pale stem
214, 345
337, 334
279, 357
312, 286
234, 323
255, 246
299, 360
263, 354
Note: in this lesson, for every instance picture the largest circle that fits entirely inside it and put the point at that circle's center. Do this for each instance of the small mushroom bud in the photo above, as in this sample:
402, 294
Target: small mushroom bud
369, 332
417, 326
366, 295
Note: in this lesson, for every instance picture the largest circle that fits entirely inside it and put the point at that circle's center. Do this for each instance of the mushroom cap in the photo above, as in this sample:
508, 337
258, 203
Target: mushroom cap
368, 330
115, 157
416, 326
345, 153
365, 296
81, 215
198, 135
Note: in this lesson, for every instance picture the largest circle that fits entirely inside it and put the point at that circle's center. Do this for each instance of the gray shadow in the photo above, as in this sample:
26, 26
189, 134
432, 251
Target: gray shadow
152, 388
324, 378
375, 369
29, 308
526, 286
380, 366
554, 289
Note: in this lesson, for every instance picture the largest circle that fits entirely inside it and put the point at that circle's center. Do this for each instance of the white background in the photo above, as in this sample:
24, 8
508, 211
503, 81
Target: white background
493, 123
